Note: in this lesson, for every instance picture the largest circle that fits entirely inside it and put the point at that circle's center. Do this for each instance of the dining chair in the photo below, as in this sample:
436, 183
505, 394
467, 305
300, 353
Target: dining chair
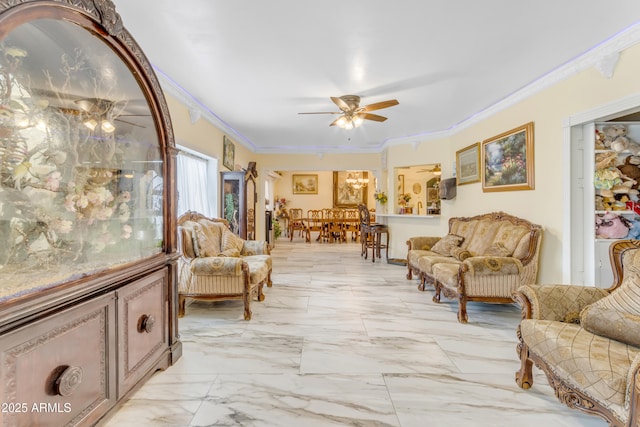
371, 235
314, 222
352, 223
295, 222
335, 225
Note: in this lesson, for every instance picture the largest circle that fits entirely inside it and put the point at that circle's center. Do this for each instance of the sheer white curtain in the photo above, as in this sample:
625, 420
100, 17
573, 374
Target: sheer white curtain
196, 182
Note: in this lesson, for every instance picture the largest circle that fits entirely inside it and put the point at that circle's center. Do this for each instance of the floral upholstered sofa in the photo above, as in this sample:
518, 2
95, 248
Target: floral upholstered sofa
482, 258
216, 264
587, 340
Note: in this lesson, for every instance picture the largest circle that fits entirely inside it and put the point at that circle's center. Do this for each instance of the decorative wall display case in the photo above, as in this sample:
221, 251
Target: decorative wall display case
616, 179
238, 201
87, 265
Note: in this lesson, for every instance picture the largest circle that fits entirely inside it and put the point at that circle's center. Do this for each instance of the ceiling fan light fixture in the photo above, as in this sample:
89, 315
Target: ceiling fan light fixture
107, 126
352, 114
348, 124
90, 123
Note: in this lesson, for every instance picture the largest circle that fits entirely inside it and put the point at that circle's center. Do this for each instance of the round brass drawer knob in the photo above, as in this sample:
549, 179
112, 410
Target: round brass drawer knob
68, 380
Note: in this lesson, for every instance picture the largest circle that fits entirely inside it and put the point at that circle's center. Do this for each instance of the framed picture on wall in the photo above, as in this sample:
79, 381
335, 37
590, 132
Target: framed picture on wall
349, 188
508, 160
304, 184
468, 164
228, 153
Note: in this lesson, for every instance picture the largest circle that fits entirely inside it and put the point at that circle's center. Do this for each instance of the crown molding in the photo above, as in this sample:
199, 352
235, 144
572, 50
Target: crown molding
198, 111
604, 57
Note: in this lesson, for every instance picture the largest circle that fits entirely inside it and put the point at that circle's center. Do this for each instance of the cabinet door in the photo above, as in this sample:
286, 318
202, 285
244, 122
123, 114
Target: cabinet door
142, 323
60, 370
234, 201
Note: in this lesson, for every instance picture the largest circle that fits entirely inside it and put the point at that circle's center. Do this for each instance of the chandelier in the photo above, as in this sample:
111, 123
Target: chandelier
356, 179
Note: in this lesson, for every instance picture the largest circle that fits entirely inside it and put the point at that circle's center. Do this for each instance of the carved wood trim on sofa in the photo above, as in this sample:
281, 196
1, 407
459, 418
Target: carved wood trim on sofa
460, 281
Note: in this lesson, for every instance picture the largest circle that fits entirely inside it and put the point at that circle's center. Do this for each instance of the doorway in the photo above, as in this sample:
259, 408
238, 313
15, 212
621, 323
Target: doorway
585, 261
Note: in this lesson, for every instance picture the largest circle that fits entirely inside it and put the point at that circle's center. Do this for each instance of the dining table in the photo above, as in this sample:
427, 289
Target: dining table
345, 226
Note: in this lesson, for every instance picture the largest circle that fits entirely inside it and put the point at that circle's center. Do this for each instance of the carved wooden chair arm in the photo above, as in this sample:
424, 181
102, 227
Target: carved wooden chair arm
422, 242
219, 266
255, 247
561, 303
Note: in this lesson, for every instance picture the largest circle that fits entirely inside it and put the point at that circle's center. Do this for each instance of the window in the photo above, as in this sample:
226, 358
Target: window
197, 183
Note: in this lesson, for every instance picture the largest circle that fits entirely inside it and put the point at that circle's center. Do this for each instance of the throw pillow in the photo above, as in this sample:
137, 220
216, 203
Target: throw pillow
497, 249
194, 244
446, 244
460, 254
207, 241
231, 244
617, 316
510, 235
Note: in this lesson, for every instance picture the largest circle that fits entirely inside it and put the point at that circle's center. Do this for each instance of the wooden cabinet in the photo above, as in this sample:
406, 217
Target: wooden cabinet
60, 370
87, 187
64, 368
238, 201
142, 327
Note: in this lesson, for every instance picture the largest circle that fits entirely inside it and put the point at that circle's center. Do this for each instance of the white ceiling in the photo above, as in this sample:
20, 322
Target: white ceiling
253, 65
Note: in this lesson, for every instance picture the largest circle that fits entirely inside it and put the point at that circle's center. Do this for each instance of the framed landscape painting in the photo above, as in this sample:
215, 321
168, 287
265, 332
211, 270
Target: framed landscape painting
508, 160
305, 184
468, 164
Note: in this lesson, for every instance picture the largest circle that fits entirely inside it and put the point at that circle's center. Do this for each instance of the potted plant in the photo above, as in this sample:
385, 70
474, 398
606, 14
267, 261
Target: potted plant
381, 198
277, 231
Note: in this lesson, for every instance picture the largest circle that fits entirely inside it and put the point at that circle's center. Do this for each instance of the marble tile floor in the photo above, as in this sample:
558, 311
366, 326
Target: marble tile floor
340, 341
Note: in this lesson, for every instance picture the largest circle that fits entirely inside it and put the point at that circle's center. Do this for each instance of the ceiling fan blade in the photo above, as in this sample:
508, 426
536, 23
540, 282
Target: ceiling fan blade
129, 123
381, 105
373, 117
340, 103
324, 112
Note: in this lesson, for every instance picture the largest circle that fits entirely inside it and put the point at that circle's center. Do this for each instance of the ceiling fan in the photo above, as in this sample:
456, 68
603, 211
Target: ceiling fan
352, 114
99, 112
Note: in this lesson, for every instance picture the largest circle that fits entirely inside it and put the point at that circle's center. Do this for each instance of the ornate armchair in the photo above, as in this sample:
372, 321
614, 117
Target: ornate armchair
587, 340
215, 264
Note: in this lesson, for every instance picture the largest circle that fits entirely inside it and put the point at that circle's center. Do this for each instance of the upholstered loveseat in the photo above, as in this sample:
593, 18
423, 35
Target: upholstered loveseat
587, 340
482, 258
215, 264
